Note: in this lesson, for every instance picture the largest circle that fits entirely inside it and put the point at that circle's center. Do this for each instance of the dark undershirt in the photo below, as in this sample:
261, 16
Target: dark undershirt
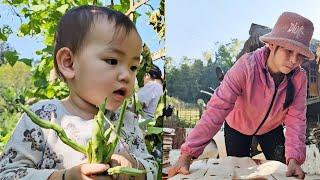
277, 78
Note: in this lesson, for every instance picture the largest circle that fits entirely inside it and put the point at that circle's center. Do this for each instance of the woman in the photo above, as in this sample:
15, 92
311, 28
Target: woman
263, 90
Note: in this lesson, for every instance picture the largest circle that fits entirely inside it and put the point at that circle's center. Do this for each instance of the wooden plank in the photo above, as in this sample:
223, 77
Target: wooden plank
235, 168
135, 6
159, 54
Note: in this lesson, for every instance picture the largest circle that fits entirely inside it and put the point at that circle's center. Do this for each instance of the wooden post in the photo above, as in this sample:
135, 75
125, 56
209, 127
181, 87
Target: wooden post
131, 6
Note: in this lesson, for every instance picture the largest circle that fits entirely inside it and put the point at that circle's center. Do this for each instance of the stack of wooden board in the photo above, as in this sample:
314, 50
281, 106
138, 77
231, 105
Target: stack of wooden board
168, 134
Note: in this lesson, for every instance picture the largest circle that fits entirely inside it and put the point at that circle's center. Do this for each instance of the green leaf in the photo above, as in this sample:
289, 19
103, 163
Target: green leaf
24, 11
3, 37
41, 82
50, 93
5, 138
39, 7
145, 65
26, 61
136, 16
48, 49
154, 130
11, 57
125, 4
5, 31
160, 107
62, 9
144, 122
118, 7
17, 1
24, 29
9, 94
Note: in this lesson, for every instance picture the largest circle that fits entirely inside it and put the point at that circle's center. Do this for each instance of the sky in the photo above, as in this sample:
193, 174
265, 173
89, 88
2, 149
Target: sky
27, 46
193, 27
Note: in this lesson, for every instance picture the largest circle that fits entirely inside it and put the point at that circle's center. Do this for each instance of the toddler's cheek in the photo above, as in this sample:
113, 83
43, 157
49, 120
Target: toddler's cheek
113, 106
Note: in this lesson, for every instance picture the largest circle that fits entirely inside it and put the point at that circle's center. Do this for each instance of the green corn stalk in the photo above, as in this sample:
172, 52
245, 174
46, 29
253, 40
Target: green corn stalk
99, 149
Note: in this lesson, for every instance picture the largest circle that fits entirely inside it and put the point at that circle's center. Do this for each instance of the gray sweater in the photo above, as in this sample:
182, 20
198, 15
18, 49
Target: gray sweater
35, 153
149, 95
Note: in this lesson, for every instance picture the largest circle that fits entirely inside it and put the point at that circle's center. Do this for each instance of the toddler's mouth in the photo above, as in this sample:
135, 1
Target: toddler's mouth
120, 93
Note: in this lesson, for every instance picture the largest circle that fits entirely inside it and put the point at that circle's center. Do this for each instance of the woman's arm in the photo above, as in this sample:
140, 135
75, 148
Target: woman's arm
219, 106
295, 122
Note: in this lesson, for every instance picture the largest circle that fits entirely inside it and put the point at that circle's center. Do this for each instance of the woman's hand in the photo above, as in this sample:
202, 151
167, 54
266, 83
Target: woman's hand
83, 172
182, 166
294, 169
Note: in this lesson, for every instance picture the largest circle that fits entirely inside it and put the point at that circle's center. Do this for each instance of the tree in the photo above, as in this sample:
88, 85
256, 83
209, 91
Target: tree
14, 83
186, 81
206, 56
4, 47
226, 53
195, 75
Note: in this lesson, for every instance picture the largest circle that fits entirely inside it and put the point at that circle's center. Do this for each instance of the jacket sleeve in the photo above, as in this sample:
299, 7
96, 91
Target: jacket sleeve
295, 123
219, 106
24, 152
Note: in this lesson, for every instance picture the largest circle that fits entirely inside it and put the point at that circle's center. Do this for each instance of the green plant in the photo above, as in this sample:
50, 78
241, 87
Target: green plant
14, 84
99, 149
153, 131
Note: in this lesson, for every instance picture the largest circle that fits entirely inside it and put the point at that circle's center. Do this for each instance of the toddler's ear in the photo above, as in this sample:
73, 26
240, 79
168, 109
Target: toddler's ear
65, 60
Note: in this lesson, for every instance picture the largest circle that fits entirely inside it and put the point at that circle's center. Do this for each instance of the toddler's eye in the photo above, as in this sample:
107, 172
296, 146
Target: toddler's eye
134, 68
112, 61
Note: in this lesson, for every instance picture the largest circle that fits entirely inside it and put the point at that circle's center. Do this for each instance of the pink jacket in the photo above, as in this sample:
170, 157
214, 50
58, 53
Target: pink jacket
243, 100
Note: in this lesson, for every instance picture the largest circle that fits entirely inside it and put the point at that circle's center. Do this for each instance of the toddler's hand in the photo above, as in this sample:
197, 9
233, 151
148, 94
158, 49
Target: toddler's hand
82, 172
122, 159
88, 172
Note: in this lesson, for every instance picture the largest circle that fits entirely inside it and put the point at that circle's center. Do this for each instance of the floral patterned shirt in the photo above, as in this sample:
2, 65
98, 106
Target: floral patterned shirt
35, 153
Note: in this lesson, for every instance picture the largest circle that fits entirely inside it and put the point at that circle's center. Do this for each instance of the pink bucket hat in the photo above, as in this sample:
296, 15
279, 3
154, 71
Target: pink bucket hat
293, 32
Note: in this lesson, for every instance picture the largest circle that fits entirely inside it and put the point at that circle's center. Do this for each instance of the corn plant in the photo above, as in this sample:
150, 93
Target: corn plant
99, 149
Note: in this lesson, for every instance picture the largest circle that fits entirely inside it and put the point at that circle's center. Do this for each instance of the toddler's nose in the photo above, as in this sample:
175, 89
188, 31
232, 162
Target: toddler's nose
124, 76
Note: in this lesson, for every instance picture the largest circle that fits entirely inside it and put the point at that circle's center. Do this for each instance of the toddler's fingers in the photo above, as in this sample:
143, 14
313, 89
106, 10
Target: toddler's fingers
90, 169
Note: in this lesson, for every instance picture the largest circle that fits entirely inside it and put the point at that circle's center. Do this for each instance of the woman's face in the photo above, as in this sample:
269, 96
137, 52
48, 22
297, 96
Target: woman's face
146, 78
284, 60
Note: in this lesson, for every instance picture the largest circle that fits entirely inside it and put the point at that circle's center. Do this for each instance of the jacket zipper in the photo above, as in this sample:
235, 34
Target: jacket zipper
266, 116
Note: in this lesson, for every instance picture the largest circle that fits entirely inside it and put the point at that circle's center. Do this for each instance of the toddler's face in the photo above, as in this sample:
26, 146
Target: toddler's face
106, 65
